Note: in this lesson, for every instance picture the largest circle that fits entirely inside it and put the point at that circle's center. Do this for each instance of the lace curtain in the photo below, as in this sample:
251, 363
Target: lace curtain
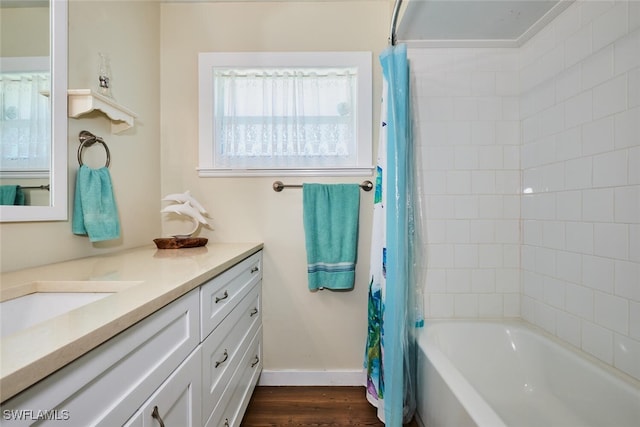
281, 117
25, 121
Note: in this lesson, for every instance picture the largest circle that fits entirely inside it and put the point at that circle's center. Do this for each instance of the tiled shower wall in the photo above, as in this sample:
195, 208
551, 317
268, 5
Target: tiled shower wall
580, 111
531, 179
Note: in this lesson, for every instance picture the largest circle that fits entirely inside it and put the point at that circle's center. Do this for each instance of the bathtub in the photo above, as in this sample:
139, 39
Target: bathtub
498, 374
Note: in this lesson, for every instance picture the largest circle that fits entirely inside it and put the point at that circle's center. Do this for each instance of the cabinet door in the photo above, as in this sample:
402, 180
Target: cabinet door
178, 400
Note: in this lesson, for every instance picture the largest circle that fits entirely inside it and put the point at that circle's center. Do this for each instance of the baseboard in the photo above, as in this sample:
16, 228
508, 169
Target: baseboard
312, 378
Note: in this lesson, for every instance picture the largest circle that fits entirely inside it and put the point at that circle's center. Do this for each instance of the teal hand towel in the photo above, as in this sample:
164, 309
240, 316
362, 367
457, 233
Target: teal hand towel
11, 195
330, 216
94, 210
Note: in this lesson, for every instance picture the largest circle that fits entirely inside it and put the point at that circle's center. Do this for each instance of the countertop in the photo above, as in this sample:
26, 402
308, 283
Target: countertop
143, 280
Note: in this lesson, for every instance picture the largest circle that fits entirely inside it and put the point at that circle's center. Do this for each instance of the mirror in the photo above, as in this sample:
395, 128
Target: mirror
17, 166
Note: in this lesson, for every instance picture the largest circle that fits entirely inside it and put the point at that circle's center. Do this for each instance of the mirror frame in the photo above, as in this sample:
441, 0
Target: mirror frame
58, 208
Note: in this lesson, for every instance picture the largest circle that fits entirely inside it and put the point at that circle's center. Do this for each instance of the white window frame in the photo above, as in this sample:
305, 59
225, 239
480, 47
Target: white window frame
208, 61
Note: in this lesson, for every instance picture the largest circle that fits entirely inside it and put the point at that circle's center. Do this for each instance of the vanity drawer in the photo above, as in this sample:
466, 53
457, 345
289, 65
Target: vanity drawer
235, 398
219, 296
223, 349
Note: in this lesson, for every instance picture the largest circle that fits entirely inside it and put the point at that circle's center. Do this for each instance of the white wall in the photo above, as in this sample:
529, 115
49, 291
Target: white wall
468, 121
563, 110
320, 331
580, 110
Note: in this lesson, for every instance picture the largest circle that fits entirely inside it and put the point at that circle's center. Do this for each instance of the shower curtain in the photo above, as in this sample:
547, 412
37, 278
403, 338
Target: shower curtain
395, 296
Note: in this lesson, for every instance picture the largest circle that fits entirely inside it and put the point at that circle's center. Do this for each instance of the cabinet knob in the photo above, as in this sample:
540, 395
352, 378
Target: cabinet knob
223, 297
255, 362
253, 312
255, 269
226, 356
226, 422
156, 414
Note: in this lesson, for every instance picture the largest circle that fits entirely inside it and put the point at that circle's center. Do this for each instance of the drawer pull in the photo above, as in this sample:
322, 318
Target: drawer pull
226, 422
255, 270
226, 356
156, 414
253, 312
255, 362
223, 297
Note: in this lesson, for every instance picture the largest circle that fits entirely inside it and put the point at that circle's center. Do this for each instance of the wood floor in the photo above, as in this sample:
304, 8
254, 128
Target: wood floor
311, 406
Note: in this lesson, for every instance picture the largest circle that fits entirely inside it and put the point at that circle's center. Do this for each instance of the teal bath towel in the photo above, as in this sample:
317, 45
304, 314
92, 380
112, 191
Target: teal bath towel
330, 216
11, 195
94, 211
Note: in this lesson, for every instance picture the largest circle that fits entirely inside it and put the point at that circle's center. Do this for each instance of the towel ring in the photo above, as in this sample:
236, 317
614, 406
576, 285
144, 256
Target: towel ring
87, 139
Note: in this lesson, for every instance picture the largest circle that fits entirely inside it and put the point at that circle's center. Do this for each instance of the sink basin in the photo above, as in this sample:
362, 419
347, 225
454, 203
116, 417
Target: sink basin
37, 302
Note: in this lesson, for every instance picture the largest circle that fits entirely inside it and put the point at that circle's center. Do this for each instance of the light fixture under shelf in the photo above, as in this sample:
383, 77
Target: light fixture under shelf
83, 101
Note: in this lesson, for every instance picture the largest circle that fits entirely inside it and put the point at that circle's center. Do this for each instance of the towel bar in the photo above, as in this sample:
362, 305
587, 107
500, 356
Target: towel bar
278, 186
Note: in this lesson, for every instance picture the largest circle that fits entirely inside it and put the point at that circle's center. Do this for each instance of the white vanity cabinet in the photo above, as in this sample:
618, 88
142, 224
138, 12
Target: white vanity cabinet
194, 362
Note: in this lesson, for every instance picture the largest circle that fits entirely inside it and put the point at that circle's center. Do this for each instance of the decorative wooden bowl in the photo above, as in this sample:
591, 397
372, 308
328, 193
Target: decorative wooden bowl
180, 242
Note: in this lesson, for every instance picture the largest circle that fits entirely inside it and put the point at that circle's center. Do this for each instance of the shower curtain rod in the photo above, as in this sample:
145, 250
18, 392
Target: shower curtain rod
394, 21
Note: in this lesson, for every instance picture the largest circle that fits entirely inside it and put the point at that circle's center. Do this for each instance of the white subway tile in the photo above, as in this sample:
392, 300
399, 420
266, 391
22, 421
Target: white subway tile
483, 182
441, 256
507, 280
578, 173
438, 158
578, 46
598, 273
490, 157
554, 292
458, 280
634, 239
546, 261
545, 317
511, 305
598, 136
436, 280
579, 237
483, 231
611, 240
483, 280
435, 182
510, 108
634, 320
552, 62
610, 97
569, 144
553, 177
612, 312
597, 68
507, 231
627, 128
459, 133
568, 328
457, 231
511, 207
627, 280
578, 109
553, 234
483, 83
633, 88
483, 133
437, 132
528, 256
610, 169
634, 165
532, 232
597, 341
527, 309
436, 231
597, 205
552, 120
634, 15
490, 256
569, 206
441, 305
627, 52
627, 204
490, 206
465, 108
490, 306
437, 108
627, 355
489, 108
579, 301
610, 26
507, 83
466, 305
508, 182
569, 266
507, 132
441, 206
568, 22
458, 182
466, 157
511, 157
466, 207
465, 256
568, 83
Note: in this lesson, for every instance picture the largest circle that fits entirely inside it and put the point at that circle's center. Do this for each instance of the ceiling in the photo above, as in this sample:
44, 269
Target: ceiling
475, 22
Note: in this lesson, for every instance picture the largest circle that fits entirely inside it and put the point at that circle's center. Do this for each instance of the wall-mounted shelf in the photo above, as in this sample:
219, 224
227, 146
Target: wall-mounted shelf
83, 101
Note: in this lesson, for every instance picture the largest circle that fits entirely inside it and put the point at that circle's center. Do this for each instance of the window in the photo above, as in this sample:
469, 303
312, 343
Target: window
25, 117
285, 113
